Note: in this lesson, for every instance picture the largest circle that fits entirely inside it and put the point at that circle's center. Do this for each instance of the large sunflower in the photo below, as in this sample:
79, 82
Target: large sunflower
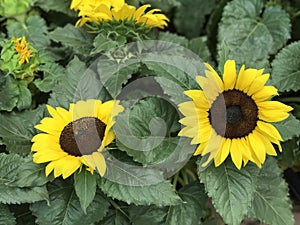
75, 137
118, 10
233, 116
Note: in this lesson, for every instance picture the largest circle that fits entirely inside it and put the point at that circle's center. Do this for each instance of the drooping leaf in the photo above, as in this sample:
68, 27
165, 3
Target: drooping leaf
85, 187
74, 37
65, 209
288, 128
231, 189
6, 217
13, 194
286, 68
271, 204
17, 129
250, 36
52, 73
34, 29
78, 83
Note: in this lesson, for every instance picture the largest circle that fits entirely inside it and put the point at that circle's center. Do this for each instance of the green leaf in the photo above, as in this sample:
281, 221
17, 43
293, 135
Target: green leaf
78, 83
85, 187
115, 217
141, 131
192, 210
171, 37
6, 217
65, 209
148, 215
9, 93
114, 75
198, 46
135, 184
231, 189
13, 194
271, 203
52, 73
34, 29
103, 43
30, 174
250, 36
57, 6
286, 68
74, 37
17, 129
189, 21
288, 128
290, 155
24, 100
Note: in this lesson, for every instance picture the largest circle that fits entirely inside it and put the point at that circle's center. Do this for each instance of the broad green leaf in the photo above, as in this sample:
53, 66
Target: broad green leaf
231, 189
114, 217
142, 132
52, 73
198, 46
57, 6
6, 217
9, 93
271, 204
104, 43
171, 37
85, 187
114, 75
65, 209
159, 194
164, 5
30, 174
34, 29
17, 129
9, 165
78, 83
24, 100
12, 8
188, 20
288, 128
192, 210
135, 184
74, 37
251, 32
286, 68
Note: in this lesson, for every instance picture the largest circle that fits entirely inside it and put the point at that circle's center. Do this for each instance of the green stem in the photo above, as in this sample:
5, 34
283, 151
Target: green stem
175, 180
117, 207
290, 99
191, 174
185, 177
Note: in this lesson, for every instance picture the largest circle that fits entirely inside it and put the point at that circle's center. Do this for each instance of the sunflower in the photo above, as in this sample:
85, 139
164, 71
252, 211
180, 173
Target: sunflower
233, 115
21, 47
75, 137
117, 10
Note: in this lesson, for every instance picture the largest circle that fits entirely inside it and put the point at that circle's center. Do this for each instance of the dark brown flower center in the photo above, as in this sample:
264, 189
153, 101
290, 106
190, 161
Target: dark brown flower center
83, 136
233, 114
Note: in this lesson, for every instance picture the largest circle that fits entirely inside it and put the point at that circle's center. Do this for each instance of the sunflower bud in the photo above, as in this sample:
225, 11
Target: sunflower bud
20, 59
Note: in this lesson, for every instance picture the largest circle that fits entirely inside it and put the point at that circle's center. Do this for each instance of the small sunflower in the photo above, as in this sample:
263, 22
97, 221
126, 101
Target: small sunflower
75, 137
233, 115
22, 48
118, 10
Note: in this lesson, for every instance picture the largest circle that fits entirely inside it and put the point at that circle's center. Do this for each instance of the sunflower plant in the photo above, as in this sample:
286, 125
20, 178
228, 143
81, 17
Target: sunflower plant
131, 112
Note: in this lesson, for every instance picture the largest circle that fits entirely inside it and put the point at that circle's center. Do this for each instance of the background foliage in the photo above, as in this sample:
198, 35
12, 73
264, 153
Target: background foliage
258, 33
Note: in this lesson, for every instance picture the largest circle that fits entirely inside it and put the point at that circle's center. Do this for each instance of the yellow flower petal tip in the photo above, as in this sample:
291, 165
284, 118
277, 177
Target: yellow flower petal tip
232, 116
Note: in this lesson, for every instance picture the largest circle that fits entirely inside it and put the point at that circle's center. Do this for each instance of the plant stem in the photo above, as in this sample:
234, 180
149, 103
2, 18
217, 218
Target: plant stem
117, 207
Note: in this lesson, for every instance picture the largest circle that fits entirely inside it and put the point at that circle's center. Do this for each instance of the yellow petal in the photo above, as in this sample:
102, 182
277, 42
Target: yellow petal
265, 93
71, 164
223, 152
257, 146
85, 108
236, 153
257, 84
229, 76
268, 130
100, 163
198, 98
200, 148
139, 12
245, 78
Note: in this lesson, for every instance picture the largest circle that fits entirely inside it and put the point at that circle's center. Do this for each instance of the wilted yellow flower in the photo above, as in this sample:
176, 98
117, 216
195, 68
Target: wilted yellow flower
21, 47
